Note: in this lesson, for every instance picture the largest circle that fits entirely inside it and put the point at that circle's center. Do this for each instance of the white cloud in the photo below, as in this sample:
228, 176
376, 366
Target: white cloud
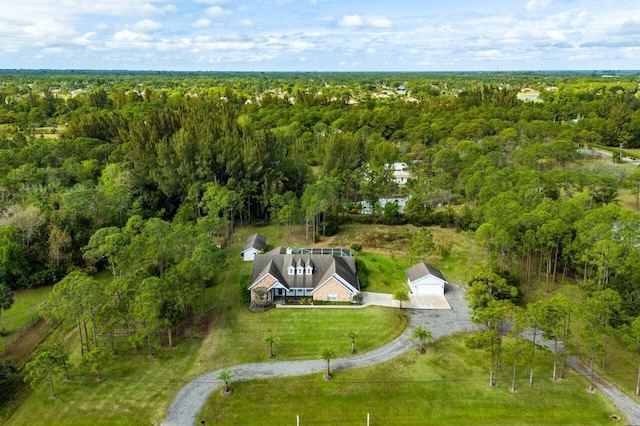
130, 36
379, 22
246, 23
84, 40
537, 4
147, 26
216, 11
351, 21
202, 23
102, 26
556, 35
171, 8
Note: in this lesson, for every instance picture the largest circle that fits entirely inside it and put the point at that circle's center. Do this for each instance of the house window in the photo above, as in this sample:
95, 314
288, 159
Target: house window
291, 270
300, 270
309, 270
332, 297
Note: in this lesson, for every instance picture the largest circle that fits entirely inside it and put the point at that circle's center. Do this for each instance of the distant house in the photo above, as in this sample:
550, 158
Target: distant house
400, 172
425, 279
401, 202
284, 273
255, 244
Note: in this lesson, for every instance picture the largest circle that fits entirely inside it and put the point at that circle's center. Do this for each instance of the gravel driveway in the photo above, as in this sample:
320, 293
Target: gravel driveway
189, 402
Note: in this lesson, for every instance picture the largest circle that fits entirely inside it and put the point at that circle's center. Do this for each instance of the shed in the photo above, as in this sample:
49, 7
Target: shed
255, 244
425, 279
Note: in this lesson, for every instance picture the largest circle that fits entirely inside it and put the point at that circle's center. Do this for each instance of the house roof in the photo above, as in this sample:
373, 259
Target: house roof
422, 270
256, 241
277, 261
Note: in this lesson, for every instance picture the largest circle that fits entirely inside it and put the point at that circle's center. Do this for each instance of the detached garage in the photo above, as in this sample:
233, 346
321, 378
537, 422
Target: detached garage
425, 279
255, 244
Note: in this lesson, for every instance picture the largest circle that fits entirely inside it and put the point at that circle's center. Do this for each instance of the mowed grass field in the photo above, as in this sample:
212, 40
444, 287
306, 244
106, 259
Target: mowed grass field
139, 389
446, 386
21, 314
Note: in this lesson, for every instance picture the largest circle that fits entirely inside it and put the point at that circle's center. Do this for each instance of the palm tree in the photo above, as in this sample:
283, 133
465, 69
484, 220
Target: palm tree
423, 335
271, 340
328, 355
226, 375
6, 298
352, 335
401, 296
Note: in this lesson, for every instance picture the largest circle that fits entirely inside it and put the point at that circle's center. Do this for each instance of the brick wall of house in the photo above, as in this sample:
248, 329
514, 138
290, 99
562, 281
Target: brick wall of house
332, 286
265, 283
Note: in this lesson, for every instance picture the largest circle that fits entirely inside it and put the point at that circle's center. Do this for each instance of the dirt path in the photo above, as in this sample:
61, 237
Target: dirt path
18, 351
189, 402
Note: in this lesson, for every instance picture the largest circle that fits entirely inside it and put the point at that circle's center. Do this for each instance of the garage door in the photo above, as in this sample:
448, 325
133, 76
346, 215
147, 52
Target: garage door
430, 290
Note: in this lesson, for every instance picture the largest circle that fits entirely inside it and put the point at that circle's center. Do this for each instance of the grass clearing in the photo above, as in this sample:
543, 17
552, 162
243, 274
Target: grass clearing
139, 389
21, 315
448, 385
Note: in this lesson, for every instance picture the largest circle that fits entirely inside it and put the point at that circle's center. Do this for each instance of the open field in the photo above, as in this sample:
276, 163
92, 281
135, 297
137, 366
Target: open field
139, 389
391, 244
21, 314
448, 385
408, 390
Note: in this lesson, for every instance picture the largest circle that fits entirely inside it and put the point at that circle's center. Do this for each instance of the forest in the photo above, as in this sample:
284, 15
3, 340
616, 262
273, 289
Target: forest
147, 174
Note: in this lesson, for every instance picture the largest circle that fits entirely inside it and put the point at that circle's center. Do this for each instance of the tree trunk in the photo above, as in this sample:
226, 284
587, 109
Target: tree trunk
604, 352
555, 266
66, 370
80, 333
513, 377
555, 358
86, 335
170, 338
149, 343
593, 358
53, 391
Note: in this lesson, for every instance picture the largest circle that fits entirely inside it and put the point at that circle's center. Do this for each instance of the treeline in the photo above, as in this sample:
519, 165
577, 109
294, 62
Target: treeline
308, 149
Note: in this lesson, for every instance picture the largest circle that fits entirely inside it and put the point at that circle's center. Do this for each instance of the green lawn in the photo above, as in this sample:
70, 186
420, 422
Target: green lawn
21, 314
448, 385
138, 389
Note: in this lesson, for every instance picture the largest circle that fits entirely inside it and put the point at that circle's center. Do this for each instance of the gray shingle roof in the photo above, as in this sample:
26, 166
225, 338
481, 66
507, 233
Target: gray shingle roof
256, 241
324, 266
421, 270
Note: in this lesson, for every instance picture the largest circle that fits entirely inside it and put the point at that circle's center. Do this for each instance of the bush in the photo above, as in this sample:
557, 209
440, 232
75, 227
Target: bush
356, 247
361, 272
245, 293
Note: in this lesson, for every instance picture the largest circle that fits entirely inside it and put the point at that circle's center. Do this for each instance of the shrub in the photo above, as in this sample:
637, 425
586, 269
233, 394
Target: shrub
245, 293
356, 247
361, 271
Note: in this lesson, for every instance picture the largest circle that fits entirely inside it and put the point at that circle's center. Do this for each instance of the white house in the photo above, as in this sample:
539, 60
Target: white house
400, 172
425, 279
255, 244
401, 202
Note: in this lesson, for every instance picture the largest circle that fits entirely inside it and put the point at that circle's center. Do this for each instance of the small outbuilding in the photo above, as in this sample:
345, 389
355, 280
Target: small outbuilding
255, 244
425, 279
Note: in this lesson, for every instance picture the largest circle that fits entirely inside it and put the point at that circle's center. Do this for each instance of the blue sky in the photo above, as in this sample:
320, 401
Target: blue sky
320, 35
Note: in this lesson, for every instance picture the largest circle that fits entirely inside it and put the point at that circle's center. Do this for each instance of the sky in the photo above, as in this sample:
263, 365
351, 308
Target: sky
320, 35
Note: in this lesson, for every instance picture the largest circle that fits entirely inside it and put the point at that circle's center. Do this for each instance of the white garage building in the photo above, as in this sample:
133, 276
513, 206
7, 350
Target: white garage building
255, 244
425, 279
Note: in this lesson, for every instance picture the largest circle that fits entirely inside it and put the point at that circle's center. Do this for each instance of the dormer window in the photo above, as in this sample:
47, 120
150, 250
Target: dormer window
300, 270
309, 270
291, 270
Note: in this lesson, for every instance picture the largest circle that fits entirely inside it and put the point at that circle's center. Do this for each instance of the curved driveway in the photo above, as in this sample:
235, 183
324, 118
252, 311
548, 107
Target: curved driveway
189, 402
